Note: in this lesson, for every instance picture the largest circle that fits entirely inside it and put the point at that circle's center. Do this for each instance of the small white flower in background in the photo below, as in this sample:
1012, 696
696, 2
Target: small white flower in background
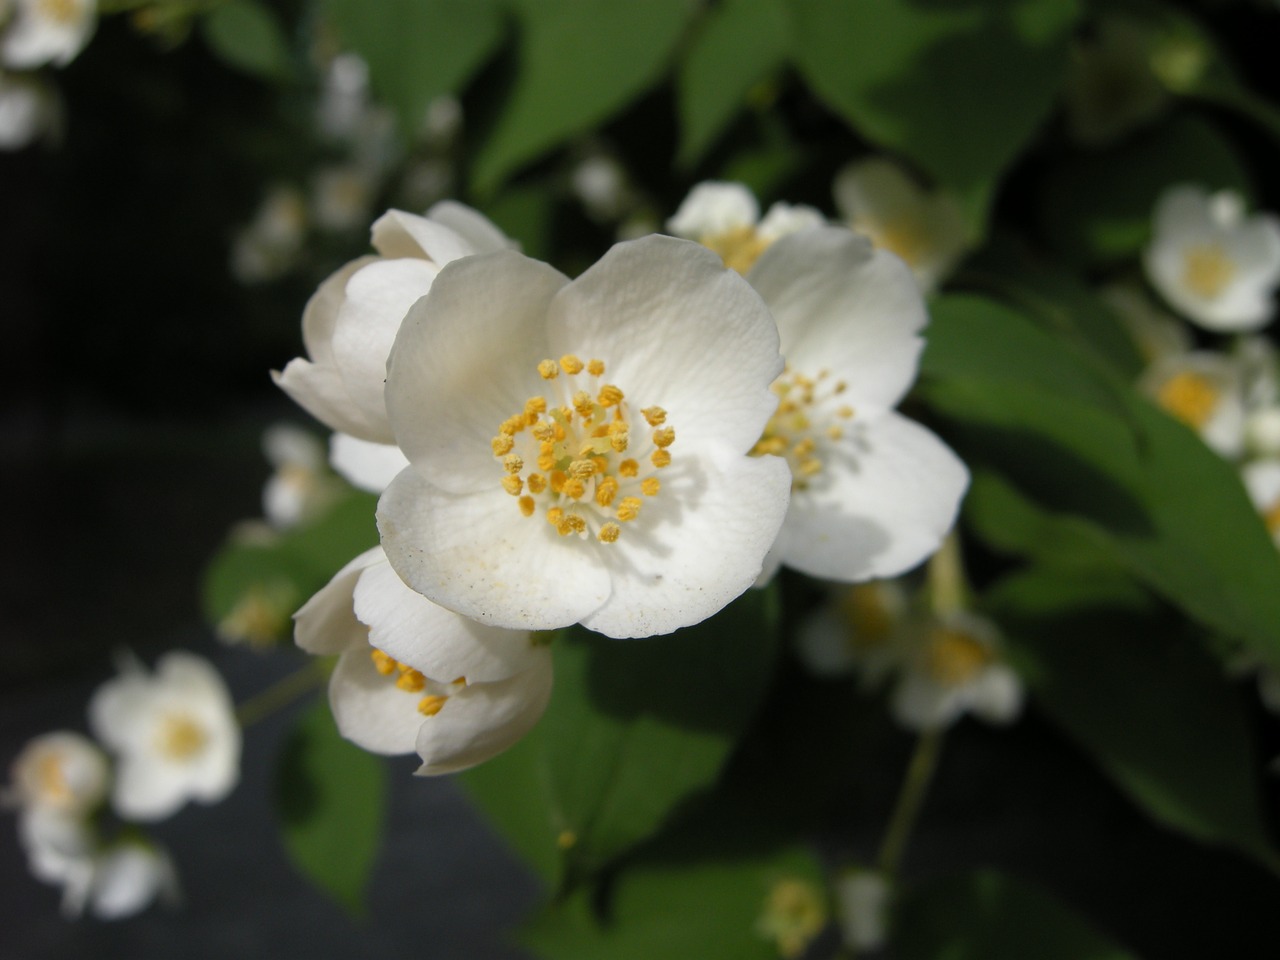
60, 849
953, 667
1211, 262
600, 183
862, 909
413, 676
1111, 87
61, 771
1262, 481
1154, 332
857, 631
926, 229
261, 617
726, 218
1203, 389
342, 197
873, 493
301, 485
442, 121
580, 450
350, 323
793, 914
344, 96
121, 881
269, 246
47, 32
174, 733
28, 109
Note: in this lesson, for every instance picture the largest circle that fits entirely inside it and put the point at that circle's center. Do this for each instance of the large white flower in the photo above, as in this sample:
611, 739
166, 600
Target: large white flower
350, 323
174, 733
61, 771
926, 229
579, 450
873, 492
413, 676
47, 31
1218, 267
726, 218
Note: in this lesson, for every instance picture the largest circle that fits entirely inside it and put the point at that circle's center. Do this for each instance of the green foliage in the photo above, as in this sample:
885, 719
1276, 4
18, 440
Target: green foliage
330, 800
634, 729
988, 915
248, 36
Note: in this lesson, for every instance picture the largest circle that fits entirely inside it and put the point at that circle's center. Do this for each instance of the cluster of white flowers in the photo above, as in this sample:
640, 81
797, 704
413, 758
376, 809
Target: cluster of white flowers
629, 450
35, 34
173, 737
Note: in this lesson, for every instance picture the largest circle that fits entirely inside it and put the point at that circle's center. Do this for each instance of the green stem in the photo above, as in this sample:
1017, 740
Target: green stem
282, 693
924, 761
948, 591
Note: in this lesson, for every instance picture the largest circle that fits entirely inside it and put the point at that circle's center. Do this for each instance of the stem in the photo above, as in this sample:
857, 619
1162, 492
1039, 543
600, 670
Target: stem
282, 693
924, 761
948, 590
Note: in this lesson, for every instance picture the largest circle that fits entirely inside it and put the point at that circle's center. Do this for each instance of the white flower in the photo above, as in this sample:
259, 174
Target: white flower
954, 668
363, 464
600, 183
1216, 266
1203, 389
60, 771
271, 243
856, 631
350, 323
342, 196
873, 492
121, 881
47, 31
1262, 481
300, 486
926, 229
862, 907
726, 218
1110, 85
413, 676
174, 733
28, 108
611, 487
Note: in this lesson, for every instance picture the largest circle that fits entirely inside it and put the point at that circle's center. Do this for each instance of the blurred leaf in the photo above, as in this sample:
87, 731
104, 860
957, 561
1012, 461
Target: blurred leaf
1132, 685
1096, 208
958, 87
247, 36
330, 800
418, 49
580, 61
738, 43
635, 727
992, 916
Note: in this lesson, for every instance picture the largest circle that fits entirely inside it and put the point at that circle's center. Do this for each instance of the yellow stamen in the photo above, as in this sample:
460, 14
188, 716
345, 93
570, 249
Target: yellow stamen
1271, 517
954, 657
570, 364
502, 444
429, 706
513, 485
537, 483
661, 458
535, 406
609, 533
548, 369
629, 509
606, 490
651, 486
384, 664
181, 737
554, 516
574, 488
595, 368
738, 247
1207, 270
609, 396
654, 416
664, 437
1191, 397
512, 463
527, 506
412, 681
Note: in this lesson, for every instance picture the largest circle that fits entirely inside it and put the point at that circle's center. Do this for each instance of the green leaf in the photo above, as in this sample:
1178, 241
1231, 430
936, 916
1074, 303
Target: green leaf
1096, 208
988, 915
635, 727
709, 908
418, 49
1134, 686
958, 87
330, 800
580, 61
739, 43
247, 36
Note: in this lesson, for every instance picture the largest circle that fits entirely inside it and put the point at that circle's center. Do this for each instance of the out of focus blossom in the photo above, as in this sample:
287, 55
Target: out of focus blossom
46, 32
270, 245
1155, 333
726, 218
122, 880
794, 913
862, 907
342, 197
262, 615
1262, 481
857, 631
300, 486
28, 110
61, 771
1203, 389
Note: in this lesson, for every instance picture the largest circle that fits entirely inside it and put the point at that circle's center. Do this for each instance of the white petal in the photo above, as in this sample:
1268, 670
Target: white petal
474, 227
433, 640
127, 879
712, 208
320, 390
369, 709
482, 720
697, 545
996, 694
326, 624
476, 555
35, 38
920, 704
465, 360
320, 316
365, 465
146, 790
677, 329
844, 307
879, 512
398, 234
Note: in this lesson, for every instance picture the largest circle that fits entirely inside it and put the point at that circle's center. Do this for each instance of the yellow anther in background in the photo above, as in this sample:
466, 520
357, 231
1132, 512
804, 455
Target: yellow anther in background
651, 486
844, 413
513, 425
629, 508
654, 416
570, 364
661, 458
606, 490
502, 444
512, 463
548, 369
513, 485
628, 468
430, 706
537, 483
527, 506
609, 533
572, 523
412, 681
835, 433
554, 516
558, 477
595, 368
384, 664
609, 396
583, 403
810, 467
664, 437
535, 405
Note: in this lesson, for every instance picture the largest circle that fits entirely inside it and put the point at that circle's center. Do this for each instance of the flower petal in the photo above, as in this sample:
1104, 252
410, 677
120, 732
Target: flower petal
369, 709
881, 511
399, 234
321, 312
476, 555
320, 390
326, 624
474, 227
363, 464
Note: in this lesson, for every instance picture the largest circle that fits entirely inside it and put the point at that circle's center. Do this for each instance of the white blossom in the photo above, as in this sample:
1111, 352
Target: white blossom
1262, 481
726, 218
174, 733
270, 244
579, 450
300, 485
62, 771
1211, 262
1204, 390
856, 631
47, 32
121, 881
862, 907
28, 110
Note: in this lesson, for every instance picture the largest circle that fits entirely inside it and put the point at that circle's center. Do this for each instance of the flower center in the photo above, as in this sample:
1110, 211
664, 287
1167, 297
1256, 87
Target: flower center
738, 247
953, 657
60, 11
413, 681
572, 453
181, 736
906, 238
1206, 270
51, 778
1271, 517
865, 610
794, 913
808, 420
1191, 397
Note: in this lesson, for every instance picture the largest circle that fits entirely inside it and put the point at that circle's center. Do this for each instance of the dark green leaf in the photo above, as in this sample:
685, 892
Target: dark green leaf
330, 799
580, 61
1134, 686
418, 49
739, 43
992, 916
248, 36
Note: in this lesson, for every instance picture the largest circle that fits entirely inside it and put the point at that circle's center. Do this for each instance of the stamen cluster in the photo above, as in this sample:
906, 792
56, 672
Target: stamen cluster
808, 415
